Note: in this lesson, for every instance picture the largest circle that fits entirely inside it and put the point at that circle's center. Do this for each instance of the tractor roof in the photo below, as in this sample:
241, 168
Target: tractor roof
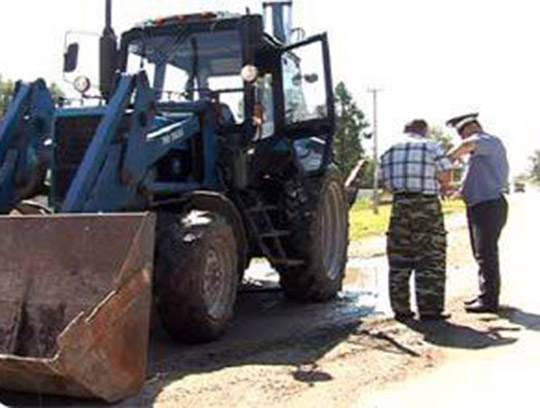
181, 19
200, 22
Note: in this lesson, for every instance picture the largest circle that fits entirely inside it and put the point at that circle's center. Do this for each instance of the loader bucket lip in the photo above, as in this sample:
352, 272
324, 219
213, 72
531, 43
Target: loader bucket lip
101, 351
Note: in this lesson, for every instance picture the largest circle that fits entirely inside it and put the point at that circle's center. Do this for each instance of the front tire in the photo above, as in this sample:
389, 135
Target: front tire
319, 238
196, 275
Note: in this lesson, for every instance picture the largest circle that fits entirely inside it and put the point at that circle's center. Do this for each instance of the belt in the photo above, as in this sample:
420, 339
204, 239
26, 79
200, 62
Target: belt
413, 195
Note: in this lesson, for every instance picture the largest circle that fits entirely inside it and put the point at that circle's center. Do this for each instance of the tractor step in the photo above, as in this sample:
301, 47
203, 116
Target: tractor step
268, 238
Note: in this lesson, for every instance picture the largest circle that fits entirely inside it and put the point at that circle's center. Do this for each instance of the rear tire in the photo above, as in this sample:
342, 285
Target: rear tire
319, 238
196, 275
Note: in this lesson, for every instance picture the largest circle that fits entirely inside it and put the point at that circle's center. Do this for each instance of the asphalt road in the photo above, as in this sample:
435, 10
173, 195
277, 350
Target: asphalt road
271, 339
505, 372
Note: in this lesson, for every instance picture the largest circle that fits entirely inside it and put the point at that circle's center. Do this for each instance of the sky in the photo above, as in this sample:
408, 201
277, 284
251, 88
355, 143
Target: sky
432, 59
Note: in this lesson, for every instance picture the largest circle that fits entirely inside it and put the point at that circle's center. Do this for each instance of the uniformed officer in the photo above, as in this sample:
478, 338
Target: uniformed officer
484, 183
416, 171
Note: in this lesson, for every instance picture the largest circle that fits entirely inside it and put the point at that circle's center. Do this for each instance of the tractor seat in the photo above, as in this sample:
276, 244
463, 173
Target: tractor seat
225, 116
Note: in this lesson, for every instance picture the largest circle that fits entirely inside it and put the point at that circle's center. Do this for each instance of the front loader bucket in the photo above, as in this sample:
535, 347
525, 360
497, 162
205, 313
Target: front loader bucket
75, 300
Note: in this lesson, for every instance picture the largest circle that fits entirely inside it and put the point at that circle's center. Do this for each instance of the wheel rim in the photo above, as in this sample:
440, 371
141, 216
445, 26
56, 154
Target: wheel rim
217, 280
333, 230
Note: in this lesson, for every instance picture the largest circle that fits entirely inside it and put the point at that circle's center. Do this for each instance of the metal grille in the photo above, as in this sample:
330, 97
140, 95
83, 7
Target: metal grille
73, 135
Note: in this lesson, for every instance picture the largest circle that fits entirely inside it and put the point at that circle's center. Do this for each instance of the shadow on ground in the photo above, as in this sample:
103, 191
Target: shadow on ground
514, 315
267, 330
448, 334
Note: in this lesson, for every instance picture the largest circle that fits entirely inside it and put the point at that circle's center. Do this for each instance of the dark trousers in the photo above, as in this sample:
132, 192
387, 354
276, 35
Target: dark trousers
486, 221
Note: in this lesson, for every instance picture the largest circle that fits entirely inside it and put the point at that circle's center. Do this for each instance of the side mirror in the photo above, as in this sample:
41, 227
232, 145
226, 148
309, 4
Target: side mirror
308, 78
71, 57
311, 78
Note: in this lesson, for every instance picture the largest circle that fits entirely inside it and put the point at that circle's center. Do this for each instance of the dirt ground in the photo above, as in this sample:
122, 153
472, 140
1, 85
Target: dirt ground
350, 352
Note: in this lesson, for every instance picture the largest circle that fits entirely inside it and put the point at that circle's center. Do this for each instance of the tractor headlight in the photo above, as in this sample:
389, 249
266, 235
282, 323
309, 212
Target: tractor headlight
249, 73
82, 84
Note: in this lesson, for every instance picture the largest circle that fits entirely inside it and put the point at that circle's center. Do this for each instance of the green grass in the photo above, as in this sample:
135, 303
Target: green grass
454, 205
363, 222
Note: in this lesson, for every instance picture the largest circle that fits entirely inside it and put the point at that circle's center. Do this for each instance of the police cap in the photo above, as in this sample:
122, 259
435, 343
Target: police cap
460, 122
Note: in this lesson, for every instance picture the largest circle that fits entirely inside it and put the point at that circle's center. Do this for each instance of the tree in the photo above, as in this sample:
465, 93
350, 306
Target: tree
366, 180
534, 171
350, 126
6, 93
58, 95
440, 136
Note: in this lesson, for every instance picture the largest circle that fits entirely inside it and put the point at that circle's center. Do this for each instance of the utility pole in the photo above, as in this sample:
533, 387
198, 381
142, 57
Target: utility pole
375, 92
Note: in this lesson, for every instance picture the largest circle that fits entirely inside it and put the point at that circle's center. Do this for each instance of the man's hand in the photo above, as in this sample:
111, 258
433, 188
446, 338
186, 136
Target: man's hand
451, 192
444, 193
455, 195
444, 178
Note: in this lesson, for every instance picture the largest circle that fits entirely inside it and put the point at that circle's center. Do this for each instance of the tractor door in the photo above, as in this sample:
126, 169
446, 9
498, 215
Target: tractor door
307, 114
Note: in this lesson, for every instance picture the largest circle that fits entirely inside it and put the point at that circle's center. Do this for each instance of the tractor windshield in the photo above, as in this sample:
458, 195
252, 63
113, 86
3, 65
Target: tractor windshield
190, 66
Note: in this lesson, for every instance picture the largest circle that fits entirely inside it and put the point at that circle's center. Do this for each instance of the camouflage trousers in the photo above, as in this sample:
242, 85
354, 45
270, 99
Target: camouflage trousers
416, 241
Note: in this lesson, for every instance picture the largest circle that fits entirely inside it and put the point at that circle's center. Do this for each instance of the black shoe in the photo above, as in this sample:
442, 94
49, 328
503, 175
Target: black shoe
470, 301
480, 307
434, 317
404, 316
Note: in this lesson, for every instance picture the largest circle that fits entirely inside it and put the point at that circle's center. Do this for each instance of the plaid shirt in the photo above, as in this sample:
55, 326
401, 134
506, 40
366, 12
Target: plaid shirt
411, 166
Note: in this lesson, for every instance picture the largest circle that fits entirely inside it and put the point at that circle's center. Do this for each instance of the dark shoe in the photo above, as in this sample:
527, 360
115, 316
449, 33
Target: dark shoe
470, 301
435, 317
480, 307
404, 316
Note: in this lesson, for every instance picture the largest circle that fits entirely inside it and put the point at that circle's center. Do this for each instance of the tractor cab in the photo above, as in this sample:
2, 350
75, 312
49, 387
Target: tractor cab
192, 58
261, 87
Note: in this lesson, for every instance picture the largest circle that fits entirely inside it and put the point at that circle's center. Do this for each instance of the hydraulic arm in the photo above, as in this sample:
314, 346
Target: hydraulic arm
25, 135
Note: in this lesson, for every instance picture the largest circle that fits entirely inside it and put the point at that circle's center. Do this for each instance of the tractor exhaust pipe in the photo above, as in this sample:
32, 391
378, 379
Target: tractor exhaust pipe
107, 54
108, 15
278, 16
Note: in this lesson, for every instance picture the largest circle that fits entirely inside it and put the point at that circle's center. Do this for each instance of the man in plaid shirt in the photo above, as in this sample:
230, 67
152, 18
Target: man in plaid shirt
416, 171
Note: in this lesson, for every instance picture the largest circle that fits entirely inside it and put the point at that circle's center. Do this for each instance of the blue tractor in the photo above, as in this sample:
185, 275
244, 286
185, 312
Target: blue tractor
218, 129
